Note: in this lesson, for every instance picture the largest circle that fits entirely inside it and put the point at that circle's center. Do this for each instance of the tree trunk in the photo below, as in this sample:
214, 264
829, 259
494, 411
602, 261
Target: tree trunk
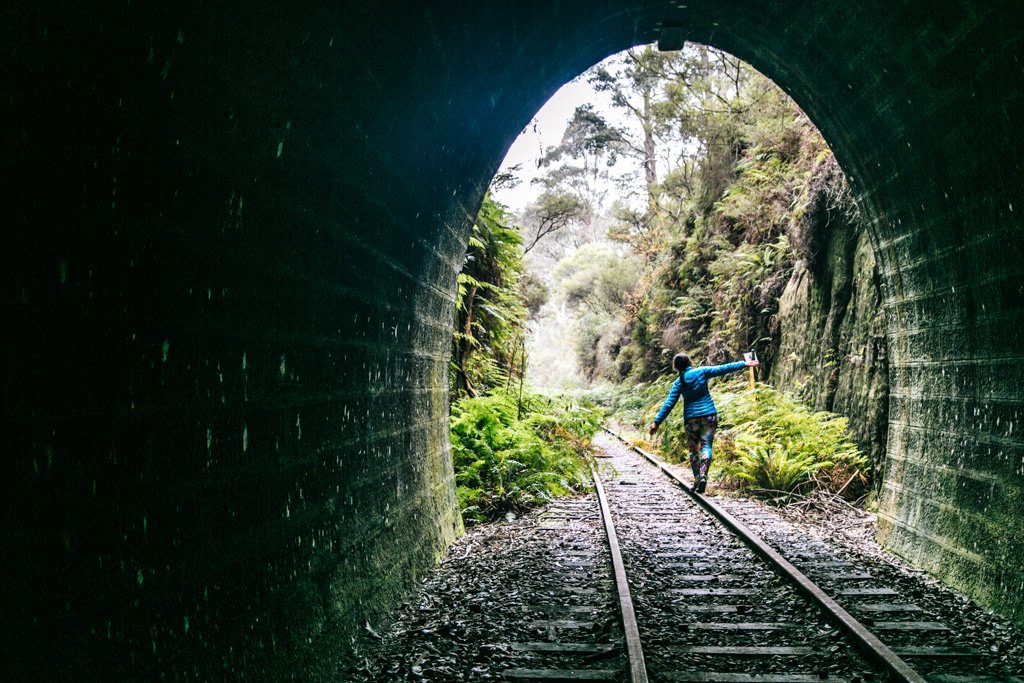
650, 167
465, 348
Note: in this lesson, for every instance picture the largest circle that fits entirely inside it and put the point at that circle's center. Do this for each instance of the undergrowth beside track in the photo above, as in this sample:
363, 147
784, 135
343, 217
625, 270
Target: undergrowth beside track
768, 443
512, 454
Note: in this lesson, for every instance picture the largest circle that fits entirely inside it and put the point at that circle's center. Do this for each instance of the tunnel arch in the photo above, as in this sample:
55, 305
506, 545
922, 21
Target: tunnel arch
234, 234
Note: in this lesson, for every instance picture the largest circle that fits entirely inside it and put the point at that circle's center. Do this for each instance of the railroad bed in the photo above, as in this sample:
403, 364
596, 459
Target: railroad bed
537, 599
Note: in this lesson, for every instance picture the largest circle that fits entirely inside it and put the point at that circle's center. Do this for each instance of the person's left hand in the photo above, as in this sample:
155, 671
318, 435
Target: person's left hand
752, 363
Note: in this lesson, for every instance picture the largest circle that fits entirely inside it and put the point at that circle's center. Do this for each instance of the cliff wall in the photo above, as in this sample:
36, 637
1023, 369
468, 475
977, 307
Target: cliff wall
832, 349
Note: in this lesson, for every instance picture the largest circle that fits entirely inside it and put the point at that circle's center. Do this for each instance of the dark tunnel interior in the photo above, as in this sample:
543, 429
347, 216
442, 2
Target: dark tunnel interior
232, 235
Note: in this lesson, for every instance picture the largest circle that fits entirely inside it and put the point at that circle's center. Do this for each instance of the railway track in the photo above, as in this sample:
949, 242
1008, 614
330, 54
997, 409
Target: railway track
700, 597
640, 580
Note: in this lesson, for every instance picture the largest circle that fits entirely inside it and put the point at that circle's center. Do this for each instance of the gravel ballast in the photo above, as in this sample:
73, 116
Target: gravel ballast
546, 578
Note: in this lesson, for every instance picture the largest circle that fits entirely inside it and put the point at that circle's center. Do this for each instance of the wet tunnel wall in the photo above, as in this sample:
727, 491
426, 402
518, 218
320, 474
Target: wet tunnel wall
230, 239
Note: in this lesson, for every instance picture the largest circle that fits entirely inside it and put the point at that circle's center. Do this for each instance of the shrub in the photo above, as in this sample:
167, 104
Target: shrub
773, 469
781, 445
767, 442
508, 460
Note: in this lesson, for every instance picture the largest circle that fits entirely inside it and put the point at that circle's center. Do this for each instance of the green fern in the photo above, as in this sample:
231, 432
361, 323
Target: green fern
773, 469
504, 463
767, 441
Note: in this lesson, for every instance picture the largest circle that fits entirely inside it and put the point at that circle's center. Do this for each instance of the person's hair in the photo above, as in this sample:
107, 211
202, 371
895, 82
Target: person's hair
681, 362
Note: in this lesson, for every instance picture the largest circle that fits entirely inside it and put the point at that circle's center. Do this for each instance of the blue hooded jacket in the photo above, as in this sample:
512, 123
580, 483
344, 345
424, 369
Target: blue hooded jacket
692, 385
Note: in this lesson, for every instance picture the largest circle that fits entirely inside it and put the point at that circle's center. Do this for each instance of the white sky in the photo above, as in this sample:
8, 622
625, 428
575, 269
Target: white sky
545, 130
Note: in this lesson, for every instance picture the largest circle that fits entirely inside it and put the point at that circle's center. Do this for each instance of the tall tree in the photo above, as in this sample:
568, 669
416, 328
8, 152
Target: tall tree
580, 164
554, 211
635, 85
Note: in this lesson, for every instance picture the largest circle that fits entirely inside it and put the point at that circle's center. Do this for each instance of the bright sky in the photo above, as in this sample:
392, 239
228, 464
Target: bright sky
545, 130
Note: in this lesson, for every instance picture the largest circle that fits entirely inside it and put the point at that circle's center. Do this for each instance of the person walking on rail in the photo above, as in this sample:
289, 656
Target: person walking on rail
700, 418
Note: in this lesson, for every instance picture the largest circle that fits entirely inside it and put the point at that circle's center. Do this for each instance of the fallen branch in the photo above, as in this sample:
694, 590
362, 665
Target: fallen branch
848, 481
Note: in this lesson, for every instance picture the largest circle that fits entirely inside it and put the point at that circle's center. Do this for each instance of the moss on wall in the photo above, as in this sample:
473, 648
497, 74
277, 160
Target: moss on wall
831, 338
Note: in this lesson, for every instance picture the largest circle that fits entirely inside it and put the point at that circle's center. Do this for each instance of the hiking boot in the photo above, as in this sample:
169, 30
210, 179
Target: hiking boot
701, 484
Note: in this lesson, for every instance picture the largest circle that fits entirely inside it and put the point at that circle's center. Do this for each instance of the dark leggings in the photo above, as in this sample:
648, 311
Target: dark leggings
700, 434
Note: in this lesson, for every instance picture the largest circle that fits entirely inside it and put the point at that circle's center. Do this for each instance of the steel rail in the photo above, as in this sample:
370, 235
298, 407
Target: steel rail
866, 641
634, 651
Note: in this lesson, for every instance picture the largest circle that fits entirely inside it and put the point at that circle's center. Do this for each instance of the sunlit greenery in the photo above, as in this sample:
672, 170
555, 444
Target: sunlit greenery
715, 215
780, 445
512, 449
690, 254
491, 307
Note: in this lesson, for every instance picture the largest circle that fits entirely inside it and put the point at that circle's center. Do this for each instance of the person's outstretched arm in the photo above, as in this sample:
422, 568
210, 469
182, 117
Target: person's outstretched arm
673, 398
718, 370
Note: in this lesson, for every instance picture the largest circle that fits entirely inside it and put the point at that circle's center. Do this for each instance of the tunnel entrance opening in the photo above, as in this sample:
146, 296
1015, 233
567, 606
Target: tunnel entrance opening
681, 202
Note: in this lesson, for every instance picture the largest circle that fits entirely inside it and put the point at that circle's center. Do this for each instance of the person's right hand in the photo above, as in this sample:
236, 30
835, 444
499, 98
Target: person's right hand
653, 428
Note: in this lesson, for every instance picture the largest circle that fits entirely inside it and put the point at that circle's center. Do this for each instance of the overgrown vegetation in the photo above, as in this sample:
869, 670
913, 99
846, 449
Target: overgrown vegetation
732, 182
768, 444
712, 222
781, 446
512, 449
689, 253
513, 454
728, 239
488, 344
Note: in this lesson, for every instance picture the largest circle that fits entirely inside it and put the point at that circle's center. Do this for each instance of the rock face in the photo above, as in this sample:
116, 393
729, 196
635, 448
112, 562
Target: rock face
832, 349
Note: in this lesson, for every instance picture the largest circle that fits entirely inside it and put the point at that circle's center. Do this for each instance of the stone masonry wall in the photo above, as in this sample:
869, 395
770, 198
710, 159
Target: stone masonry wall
231, 232
924, 111
225, 377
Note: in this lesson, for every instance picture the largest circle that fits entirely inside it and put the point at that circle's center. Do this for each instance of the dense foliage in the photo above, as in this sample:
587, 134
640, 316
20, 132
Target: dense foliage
689, 253
728, 247
779, 445
716, 213
767, 443
512, 454
512, 449
488, 344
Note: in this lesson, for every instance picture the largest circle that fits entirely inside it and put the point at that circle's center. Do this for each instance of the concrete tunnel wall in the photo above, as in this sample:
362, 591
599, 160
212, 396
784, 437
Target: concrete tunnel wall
231, 237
